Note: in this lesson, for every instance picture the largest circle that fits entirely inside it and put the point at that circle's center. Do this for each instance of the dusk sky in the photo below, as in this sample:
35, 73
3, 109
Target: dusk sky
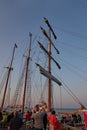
68, 19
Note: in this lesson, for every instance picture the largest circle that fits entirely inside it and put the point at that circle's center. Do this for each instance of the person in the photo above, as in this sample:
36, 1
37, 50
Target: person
53, 122
28, 118
15, 123
79, 118
74, 117
38, 118
4, 119
41, 109
67, 117
44, 106
9, 117
0, 115
20, 114
45, 121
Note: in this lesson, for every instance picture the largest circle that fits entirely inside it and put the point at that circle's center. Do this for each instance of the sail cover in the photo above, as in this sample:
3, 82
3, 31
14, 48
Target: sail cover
48, 75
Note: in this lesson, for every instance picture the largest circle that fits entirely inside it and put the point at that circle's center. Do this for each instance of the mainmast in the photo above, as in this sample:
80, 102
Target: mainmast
49, 80
8, 75
48, 52
26, 74
49, 65
47, 73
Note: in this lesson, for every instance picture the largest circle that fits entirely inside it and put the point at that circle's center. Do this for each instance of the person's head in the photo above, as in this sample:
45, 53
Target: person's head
43, 103
20, 110
36, 108
53, 112
15, 113
27, 111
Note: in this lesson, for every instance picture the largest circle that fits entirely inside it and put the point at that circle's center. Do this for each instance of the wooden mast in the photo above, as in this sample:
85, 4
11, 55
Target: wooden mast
48, 73
49, 80
8, 75
48, 52
26, 75
49, 61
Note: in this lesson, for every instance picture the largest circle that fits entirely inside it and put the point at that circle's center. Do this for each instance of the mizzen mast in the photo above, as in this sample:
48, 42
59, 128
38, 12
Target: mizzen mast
8, 75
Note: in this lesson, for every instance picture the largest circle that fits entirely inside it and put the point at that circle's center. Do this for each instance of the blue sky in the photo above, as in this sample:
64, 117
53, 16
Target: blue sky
69, 20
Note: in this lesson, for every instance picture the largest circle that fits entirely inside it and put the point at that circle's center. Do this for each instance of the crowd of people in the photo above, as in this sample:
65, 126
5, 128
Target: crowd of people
38, 118
11, 120
72, 120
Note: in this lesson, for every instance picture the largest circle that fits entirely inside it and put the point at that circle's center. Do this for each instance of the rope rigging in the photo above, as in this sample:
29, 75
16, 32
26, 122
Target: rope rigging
71, 45
74, 69
8, 94
3, 81
18, 91
68, 90
74, 50
76, 34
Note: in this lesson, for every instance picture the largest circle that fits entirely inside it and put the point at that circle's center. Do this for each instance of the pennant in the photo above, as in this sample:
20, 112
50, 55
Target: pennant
16, 45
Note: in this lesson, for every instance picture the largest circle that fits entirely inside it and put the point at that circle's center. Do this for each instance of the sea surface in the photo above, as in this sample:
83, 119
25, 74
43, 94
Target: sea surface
67, 110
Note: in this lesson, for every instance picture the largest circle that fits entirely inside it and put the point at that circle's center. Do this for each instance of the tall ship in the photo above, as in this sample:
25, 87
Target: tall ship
31, 90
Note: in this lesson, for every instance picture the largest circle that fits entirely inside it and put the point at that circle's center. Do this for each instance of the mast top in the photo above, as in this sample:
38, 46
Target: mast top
47, 22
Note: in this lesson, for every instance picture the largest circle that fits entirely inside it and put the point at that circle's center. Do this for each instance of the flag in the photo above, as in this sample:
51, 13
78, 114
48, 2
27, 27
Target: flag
16, 45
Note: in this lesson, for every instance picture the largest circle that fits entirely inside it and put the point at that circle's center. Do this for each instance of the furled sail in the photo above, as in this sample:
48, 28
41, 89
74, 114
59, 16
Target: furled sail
48, 75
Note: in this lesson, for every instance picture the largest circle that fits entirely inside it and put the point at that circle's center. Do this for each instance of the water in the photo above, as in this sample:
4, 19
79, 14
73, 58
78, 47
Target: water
67, 110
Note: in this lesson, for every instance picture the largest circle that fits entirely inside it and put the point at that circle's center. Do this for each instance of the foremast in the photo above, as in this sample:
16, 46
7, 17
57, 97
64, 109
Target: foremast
8, 75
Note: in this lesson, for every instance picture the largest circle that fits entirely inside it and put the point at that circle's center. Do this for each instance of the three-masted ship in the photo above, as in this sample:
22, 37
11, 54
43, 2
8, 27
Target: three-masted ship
47, 73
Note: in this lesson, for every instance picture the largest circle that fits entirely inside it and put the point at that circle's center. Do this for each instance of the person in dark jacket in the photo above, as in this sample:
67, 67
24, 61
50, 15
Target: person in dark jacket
0, 115
15, 123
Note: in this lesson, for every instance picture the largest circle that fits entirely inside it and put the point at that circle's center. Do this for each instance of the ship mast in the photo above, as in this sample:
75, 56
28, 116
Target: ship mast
49, 80
49, 64
48, 52
26, 74
8, 75
47, 73
49, 61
